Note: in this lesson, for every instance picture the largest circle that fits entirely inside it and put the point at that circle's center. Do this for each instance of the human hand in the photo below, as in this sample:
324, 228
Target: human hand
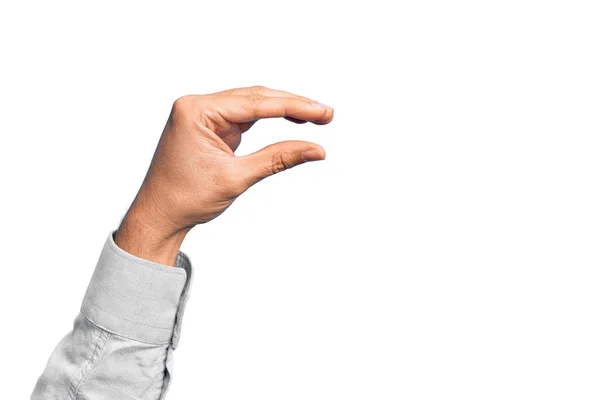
194, 175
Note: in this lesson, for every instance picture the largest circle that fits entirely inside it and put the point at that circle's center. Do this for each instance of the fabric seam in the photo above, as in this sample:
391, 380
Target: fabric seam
114, 332
99, 344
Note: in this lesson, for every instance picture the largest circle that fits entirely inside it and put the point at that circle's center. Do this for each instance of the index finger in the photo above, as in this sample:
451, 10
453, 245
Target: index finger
261, 91
250, 108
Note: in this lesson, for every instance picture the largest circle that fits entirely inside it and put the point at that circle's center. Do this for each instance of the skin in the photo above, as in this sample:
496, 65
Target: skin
194, 174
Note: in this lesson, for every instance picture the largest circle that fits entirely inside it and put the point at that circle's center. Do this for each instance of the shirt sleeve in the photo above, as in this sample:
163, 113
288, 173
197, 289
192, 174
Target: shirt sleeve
122, 342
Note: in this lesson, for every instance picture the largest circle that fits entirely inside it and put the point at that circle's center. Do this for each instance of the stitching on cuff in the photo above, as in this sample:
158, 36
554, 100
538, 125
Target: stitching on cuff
120, 334
125, 319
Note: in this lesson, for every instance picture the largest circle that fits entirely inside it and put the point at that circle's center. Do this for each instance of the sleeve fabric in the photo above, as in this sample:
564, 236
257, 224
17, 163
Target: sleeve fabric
122, 342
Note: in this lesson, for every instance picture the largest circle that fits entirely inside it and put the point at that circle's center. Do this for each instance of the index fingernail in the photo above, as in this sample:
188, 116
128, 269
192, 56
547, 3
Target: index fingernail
313, 155
320, 105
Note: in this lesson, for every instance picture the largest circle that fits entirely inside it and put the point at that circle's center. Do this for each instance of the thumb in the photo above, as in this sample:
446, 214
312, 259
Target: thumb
279, 157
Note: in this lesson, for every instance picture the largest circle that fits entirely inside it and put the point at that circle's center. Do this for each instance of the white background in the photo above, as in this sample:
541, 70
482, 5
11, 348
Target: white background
448, 248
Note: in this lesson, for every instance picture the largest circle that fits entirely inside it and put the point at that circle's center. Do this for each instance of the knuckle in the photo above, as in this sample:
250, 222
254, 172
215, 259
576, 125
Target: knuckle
256, 99
182, 101
258, 89
280, 162
182, 105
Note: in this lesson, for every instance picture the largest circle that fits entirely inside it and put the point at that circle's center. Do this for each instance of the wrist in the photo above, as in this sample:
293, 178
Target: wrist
150, 238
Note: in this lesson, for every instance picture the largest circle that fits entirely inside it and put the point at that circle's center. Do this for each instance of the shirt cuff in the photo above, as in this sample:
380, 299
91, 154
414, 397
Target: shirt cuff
136, 298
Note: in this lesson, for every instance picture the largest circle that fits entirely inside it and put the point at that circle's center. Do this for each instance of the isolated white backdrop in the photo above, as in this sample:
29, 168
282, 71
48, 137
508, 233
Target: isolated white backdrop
448, 248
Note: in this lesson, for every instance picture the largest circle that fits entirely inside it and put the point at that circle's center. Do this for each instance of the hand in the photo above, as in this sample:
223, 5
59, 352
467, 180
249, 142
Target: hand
194, 175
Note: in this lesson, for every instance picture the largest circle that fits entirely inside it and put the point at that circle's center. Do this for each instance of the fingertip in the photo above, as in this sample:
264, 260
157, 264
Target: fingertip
327, 118
314, 154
